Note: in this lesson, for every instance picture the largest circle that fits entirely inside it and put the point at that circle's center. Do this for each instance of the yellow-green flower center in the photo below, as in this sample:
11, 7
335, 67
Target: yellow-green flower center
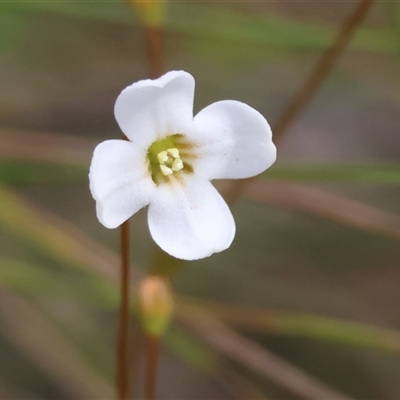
166, 158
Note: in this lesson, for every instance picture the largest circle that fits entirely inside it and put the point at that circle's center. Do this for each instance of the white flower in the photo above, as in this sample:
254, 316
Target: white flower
169, 160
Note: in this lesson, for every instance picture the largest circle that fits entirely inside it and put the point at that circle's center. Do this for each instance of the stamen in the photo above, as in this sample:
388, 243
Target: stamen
174, 152
169, 161
177, 164
162, 157
166, 156
166, 170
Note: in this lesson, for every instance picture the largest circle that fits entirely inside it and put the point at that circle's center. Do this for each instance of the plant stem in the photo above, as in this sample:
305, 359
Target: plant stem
154, 38
322, 68
123, 331
310, 87
153, 352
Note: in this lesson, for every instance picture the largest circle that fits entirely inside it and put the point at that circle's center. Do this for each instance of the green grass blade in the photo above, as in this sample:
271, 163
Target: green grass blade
388, 174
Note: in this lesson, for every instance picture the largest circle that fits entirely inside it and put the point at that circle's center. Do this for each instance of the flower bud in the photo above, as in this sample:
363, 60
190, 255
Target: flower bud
156, 305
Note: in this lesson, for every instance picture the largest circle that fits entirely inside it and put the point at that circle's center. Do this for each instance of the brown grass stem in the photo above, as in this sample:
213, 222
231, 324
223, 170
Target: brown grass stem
248, 353
153, 353
310, 87
275, 321
322, 69
123, 331
329, 206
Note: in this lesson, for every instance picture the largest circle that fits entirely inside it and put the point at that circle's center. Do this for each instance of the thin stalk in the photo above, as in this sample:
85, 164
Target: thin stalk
310, 87
123, 331
322, 69
154, 38
153, 353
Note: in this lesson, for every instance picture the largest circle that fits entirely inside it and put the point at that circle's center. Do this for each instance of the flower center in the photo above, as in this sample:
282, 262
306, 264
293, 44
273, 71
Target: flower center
170, 161
168, 158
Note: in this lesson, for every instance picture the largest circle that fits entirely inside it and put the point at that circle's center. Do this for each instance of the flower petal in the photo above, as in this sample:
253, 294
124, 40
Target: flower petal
190, 220
149, 110
119, 181
235, 141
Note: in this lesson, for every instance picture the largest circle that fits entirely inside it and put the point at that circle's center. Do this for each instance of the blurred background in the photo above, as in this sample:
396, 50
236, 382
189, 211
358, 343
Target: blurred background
305, 303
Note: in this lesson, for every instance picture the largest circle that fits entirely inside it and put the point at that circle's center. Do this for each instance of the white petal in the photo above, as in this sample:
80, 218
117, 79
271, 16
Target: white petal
190, 220
150, 110
235, 141
120, 181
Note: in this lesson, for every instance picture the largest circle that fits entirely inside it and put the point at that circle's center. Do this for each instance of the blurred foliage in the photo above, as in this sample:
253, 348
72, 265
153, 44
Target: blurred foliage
309, 287
213, 20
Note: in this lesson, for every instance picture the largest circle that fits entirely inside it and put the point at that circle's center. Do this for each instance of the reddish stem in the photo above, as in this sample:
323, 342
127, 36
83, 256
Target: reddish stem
154, 37
153, 352
322, 68
123, 331
310, 87
154, 50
